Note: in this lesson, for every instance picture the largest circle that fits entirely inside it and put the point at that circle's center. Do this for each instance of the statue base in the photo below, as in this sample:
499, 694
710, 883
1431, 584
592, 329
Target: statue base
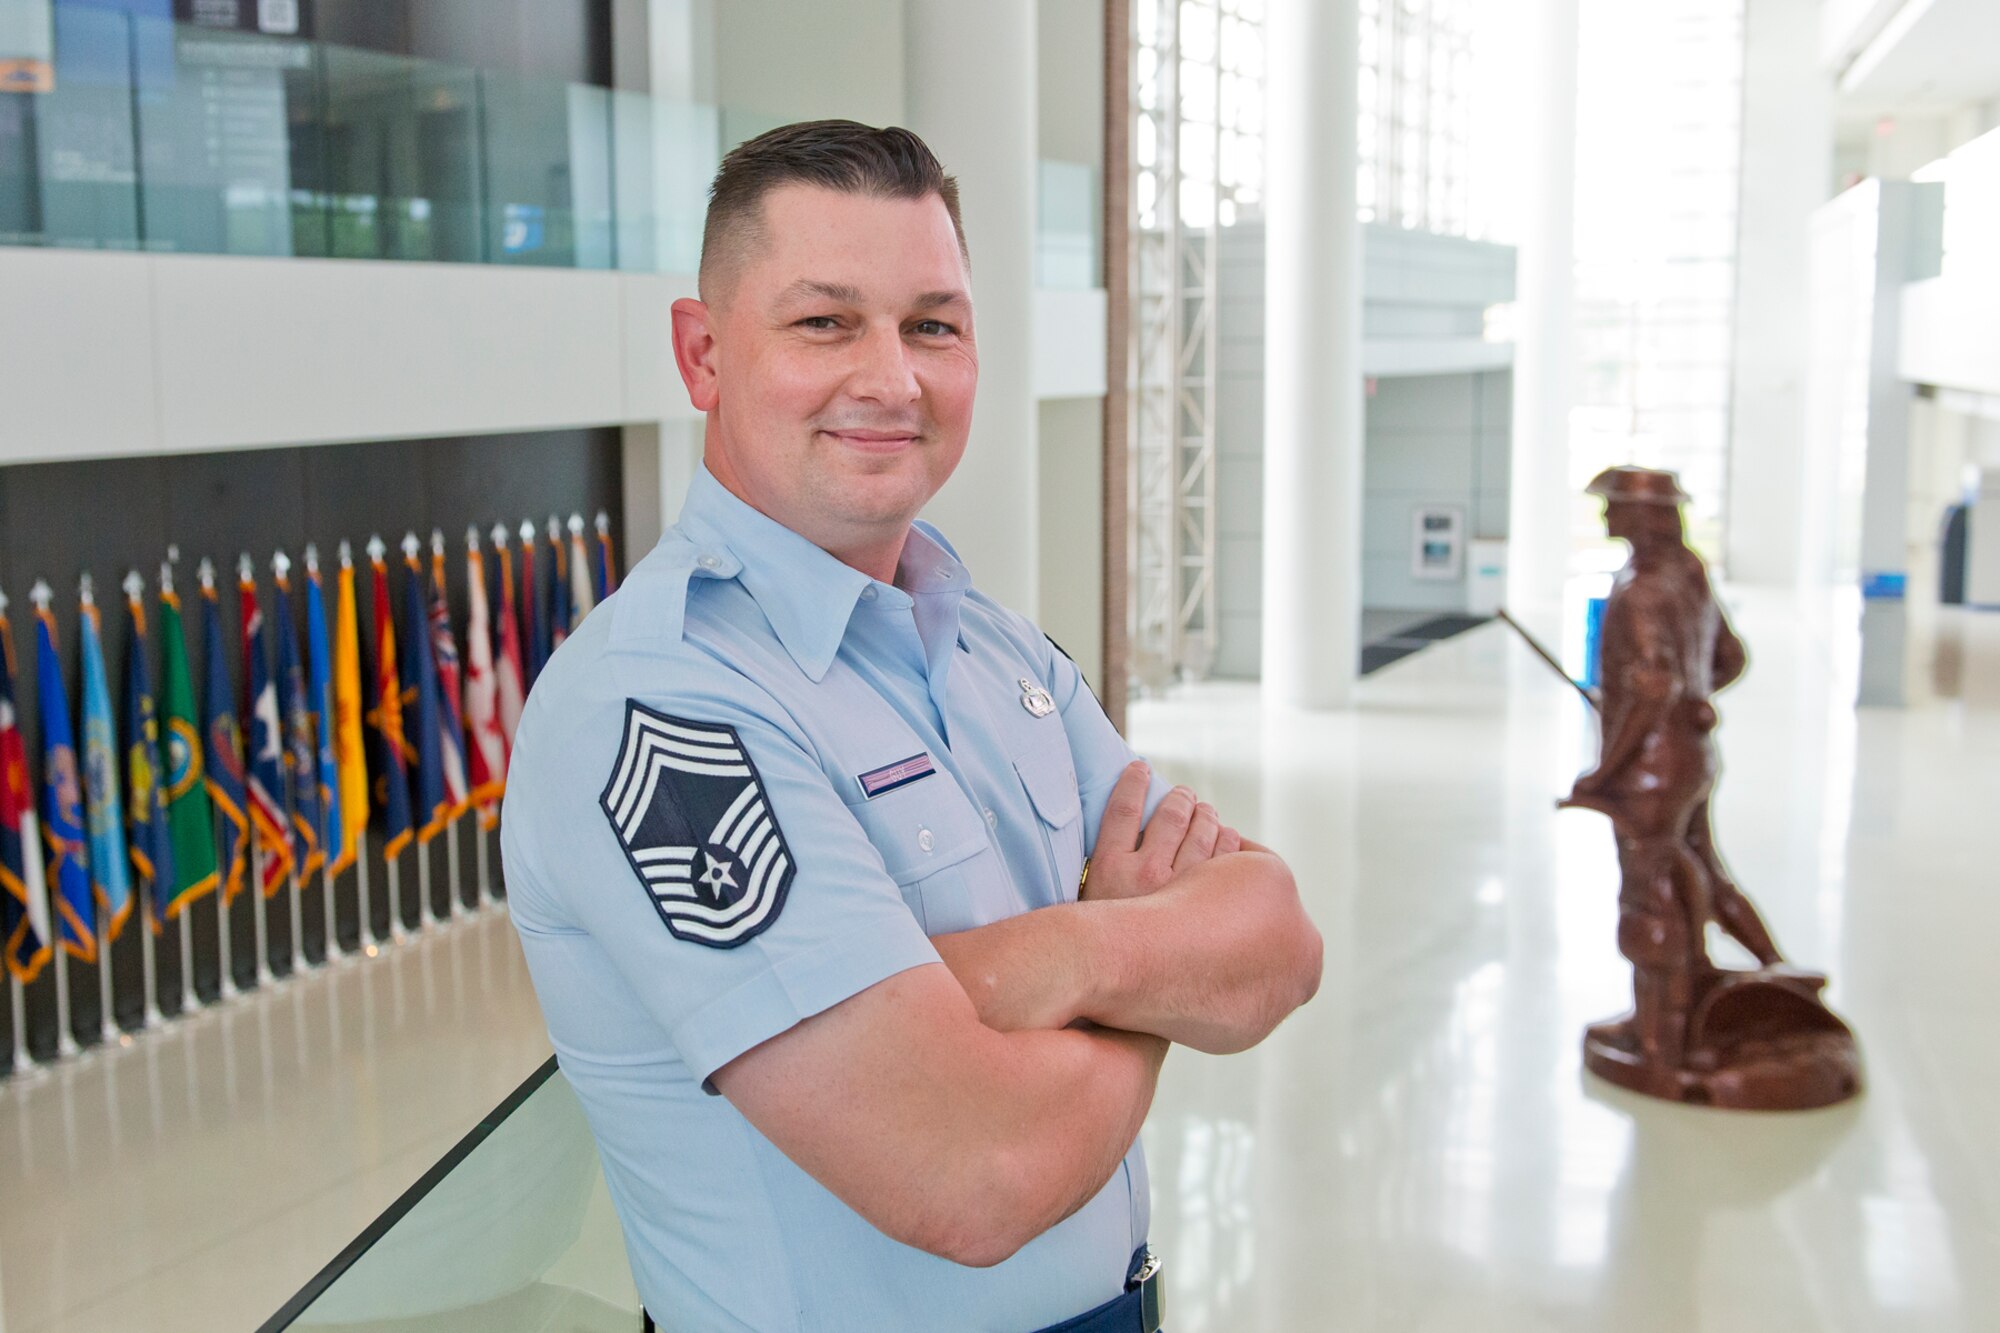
1760, 1040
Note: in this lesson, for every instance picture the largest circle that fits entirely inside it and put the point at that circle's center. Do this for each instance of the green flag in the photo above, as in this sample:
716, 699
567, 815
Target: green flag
190, 818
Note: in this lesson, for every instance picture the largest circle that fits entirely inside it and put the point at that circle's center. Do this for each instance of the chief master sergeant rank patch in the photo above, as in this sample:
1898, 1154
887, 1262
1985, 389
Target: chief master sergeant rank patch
690, 812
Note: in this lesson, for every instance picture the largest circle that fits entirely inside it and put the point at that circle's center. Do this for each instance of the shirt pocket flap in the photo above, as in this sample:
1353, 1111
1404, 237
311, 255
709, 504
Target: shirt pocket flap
920, 829
1050, 777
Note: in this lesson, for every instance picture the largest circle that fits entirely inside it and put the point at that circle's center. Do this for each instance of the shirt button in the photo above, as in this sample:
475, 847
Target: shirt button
925, 840
868, 593
708, 562
992, 820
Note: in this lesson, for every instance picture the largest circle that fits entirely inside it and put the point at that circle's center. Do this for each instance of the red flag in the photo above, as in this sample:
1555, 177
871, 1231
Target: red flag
485, 748
507, 669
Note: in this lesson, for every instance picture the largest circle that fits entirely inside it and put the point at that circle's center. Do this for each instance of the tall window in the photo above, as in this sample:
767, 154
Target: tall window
1659, 128
1416, 114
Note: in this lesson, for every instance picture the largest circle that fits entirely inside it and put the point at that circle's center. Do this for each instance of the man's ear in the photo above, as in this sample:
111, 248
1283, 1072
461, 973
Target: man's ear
694, 352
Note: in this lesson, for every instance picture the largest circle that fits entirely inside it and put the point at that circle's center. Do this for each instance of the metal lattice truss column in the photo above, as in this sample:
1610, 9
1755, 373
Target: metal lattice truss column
1197, 149
1172, 449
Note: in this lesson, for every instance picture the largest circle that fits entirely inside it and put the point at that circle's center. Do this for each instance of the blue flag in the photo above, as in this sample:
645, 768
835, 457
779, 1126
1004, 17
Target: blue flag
559, 608
264, 749
68, 858
103, 806
385, 718
301, 743
534, 613
420, 708
319, 701
145, 798
222, 749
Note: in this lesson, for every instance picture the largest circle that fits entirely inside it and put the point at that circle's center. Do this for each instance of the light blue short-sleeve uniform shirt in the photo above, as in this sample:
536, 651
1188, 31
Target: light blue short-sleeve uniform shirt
753, 783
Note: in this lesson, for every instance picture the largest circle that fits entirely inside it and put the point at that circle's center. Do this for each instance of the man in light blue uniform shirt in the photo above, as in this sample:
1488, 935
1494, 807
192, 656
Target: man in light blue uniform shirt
799, 817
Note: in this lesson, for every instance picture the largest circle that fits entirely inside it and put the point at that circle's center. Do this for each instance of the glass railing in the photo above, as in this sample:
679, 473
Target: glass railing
174, 137
512, 1232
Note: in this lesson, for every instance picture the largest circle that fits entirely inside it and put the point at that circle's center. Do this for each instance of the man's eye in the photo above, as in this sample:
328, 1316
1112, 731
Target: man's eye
819, 323
934, 328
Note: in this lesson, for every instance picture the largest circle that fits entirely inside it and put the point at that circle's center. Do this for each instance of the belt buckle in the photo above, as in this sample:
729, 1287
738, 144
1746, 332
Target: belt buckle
1146, 1281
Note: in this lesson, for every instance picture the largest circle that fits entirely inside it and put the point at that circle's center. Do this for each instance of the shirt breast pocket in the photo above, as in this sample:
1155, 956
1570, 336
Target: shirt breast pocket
1048, 773
931, 842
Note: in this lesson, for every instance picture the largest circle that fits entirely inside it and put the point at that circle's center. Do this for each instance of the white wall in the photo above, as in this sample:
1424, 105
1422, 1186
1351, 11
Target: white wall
971, 94
1786, 164
116, 354
785, 60
1070, 502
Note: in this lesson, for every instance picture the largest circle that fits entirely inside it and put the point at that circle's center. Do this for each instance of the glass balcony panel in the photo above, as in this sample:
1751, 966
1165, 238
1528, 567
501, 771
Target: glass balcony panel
1066, 226
518, 1233
221, 138
666, 154
400, 166
71, 148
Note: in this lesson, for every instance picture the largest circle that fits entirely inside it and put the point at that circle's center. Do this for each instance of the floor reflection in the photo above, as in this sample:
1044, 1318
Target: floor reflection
1425, 1150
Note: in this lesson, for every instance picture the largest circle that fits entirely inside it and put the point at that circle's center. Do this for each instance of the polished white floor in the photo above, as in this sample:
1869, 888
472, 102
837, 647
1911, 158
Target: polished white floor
1416, 1150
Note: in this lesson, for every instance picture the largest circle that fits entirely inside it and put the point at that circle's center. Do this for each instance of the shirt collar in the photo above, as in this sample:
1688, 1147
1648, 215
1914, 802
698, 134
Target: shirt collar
807, 595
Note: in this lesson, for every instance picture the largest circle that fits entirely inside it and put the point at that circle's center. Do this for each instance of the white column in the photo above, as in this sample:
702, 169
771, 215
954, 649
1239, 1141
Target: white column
969, 85
1312, 357
1540, 508
1786, 173
666, 50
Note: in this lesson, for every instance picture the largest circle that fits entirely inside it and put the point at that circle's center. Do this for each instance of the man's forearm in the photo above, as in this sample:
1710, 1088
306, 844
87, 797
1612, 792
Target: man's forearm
1214, 960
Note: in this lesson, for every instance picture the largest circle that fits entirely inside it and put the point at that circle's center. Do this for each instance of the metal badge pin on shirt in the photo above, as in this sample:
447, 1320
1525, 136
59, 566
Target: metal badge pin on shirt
1036, 699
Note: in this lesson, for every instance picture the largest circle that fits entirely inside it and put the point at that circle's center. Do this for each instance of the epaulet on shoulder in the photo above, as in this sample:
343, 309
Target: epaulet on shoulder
650, 609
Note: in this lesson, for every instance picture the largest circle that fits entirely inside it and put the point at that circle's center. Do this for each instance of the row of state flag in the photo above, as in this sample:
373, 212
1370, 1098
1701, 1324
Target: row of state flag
286, 751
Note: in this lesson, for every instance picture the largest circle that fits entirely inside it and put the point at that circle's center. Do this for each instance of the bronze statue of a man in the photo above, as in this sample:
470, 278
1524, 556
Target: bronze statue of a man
1697, 1032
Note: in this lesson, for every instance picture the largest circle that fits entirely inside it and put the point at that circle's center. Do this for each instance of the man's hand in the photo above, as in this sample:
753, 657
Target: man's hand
1194, 934
1133, 858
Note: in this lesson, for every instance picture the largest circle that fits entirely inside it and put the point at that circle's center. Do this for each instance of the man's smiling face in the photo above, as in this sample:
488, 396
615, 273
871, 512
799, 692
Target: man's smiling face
836, 364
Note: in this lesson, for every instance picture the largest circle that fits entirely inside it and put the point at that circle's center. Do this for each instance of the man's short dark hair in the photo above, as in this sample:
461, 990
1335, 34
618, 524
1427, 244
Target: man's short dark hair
841, 155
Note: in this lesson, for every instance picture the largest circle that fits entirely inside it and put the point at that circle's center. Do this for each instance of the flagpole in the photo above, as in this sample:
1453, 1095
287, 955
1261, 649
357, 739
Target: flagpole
281, 569
22, 1064
31, 847
426, 911
224, 951
453, 872
483, 857
66, 1043
186, 918
392, 870
107, 1027
364, 930
259, 913
331, 952
398, 932
135, 590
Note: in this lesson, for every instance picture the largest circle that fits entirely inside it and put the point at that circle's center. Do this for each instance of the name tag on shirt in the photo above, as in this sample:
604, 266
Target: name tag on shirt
899, 774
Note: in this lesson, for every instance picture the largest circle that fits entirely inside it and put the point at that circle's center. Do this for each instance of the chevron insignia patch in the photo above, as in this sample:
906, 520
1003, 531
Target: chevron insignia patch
688, 808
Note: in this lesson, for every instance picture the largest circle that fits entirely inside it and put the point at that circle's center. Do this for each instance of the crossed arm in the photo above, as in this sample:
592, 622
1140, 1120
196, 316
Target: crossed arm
966, 1109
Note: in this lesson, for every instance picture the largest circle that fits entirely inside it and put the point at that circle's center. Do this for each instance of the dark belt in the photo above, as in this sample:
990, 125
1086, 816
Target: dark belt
1137, 1310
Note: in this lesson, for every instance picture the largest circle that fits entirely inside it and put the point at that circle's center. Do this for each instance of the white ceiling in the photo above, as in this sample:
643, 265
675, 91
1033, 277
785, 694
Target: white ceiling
1948, 57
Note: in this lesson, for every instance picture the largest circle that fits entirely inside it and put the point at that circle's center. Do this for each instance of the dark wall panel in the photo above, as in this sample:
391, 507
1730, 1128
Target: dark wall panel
58, 520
